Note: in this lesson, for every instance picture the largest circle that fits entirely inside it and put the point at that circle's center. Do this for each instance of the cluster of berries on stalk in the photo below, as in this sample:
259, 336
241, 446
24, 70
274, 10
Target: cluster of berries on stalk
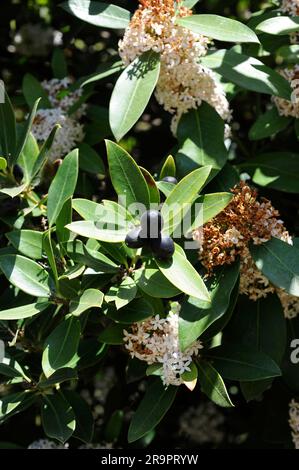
149, 233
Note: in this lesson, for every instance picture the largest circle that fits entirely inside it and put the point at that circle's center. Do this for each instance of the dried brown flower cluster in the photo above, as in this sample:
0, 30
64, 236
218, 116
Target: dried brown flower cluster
244, 220
228, 235
286, 107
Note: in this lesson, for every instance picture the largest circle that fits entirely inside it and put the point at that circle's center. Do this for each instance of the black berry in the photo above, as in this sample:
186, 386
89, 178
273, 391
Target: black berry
170, 179
163, 247
151, 224
133, 239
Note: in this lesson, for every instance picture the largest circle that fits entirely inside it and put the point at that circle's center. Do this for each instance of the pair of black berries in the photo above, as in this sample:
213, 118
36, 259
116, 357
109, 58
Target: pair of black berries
149, 234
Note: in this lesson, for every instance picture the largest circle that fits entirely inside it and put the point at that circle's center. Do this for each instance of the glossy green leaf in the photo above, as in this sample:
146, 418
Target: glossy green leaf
84, 418
42, 156
196, 316
279, 262
241, 363
33, 90
137, 310
92, 258
132, 93
201, 139
277, 170
168, 168
279, 25
211, 383
90, 298
180, 272
13, 403
154, 405
58, 418
26, 274
126, 177
219, 27
25, 311
8, 136
59, 376
58, 64
98, 13
154, 194
103, 71
61, 346
89, 229
248, 72
89, 160
62, 186
151, 281
123, 294
113, 334
183, 194
27, 242
28, 157
25, 132
267, 124
3, 163
212, 204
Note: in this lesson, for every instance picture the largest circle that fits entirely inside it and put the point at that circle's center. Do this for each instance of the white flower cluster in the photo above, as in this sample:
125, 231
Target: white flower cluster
156, 341
294, 422
183, 82
36, 40
202, 424
46, 444
71, 132
285, 107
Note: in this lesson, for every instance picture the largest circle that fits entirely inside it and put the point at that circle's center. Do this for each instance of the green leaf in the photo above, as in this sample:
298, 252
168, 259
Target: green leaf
11, 368
3, 163
58, 64
8, 135
106, 213
84, 418
196, 316
27, 242
92, 258
41, 159
279, 262
25, 133
98, 13
89, 229
277, 170
267, 124
90, 298
218, 27
58, 418
25, 311
248, 72
114, 425
89, 160
279, 25
288, 53
65, 217
180, 272
103, 71
201, 139
28, 157
14, 403
137, 310
62, 186
59, 376
212, 384
14, 191
113, 334
154, 194
154, 405
33, 90
183, 194
168, 168
241, 363
212, 204
126, 177
151, 281
132, 93
26, 274
49, 249
126, 292
190, 3
61, 346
